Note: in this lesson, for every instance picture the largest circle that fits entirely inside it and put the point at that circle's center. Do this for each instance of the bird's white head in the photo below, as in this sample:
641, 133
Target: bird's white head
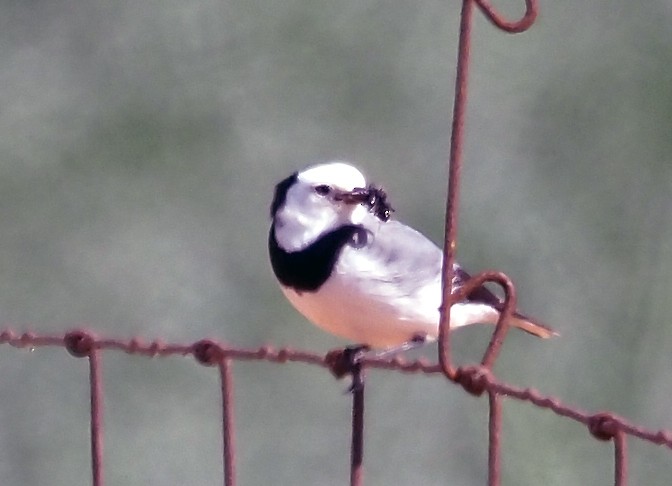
313, 201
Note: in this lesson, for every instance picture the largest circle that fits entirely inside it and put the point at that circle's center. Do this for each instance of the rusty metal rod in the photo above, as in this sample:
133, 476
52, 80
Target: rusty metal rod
228, 430
357, 446
454, 170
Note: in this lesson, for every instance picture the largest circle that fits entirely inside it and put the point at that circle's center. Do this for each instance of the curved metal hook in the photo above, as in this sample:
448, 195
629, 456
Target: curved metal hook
502, 327
499, 334
513, 27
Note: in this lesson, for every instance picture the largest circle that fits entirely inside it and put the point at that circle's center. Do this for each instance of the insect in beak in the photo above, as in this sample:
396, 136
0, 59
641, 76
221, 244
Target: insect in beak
372, 197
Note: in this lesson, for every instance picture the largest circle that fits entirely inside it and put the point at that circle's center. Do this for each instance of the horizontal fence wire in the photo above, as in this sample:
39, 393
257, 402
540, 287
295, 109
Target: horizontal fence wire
474, 379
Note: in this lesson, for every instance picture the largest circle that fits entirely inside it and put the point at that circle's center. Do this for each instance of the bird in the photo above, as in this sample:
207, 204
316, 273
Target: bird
357, 273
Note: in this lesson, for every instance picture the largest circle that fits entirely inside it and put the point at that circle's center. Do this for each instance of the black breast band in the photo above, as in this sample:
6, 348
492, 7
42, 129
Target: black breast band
306, 270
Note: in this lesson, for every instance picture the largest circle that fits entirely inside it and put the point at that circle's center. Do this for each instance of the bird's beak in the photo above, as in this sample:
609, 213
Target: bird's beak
357, 196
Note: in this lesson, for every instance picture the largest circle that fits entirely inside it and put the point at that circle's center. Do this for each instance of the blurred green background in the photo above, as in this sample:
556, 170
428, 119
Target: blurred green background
139, 145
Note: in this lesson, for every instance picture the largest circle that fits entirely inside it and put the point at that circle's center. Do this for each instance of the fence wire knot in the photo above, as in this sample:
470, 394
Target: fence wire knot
208, 352
79, 343
603, 426
474, 379
282, 355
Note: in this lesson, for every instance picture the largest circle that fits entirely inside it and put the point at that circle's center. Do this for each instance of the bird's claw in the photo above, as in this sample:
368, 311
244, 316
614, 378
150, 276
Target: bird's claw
348, 361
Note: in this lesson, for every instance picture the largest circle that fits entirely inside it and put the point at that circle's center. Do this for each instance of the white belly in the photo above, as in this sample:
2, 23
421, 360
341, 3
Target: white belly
345, 308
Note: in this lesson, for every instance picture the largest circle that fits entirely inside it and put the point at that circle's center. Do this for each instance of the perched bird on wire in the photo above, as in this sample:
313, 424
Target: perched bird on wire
356, 273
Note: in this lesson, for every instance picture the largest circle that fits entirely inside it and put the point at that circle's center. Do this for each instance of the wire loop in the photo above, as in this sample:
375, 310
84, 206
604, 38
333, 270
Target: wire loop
512, 27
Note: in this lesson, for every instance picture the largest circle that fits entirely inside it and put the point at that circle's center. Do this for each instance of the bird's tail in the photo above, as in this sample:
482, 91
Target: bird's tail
533, 327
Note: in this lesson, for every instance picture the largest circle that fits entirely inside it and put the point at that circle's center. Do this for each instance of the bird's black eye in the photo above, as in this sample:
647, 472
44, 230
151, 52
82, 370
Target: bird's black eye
323, 189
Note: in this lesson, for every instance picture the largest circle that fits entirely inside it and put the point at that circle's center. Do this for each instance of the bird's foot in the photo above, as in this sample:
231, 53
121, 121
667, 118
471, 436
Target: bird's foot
348, 361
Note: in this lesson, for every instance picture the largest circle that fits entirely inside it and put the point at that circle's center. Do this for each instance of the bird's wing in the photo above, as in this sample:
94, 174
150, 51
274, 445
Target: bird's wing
407, 255
481, 295
395, 264
413, 262
399, 267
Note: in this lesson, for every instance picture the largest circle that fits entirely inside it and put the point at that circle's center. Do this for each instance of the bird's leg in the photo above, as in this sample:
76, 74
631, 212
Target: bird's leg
346, 361
416, 341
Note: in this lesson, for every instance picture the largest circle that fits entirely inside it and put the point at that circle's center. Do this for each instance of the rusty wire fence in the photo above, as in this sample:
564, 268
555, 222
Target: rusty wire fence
475, 379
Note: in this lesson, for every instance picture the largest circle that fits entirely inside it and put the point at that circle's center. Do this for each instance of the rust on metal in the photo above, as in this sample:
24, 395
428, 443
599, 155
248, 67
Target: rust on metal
494, 439
208, 352
81, 344
228, 421
357, 444
475, 379
620, 458
96, 388
454, 170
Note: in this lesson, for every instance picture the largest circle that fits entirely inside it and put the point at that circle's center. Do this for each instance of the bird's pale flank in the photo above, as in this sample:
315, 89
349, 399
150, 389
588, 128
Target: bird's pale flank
359, 275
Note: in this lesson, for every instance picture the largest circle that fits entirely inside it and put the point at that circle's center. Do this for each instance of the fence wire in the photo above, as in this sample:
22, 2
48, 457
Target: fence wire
474, 379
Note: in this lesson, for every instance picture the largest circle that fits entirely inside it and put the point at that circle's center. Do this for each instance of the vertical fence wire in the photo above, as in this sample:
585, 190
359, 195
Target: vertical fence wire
82, 344
454, 169
228, 421
494, 437
603, 426
620, 458
468, 380
357, 445
96, 385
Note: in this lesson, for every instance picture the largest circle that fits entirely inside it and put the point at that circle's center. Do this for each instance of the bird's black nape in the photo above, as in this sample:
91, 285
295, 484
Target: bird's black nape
280, 194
